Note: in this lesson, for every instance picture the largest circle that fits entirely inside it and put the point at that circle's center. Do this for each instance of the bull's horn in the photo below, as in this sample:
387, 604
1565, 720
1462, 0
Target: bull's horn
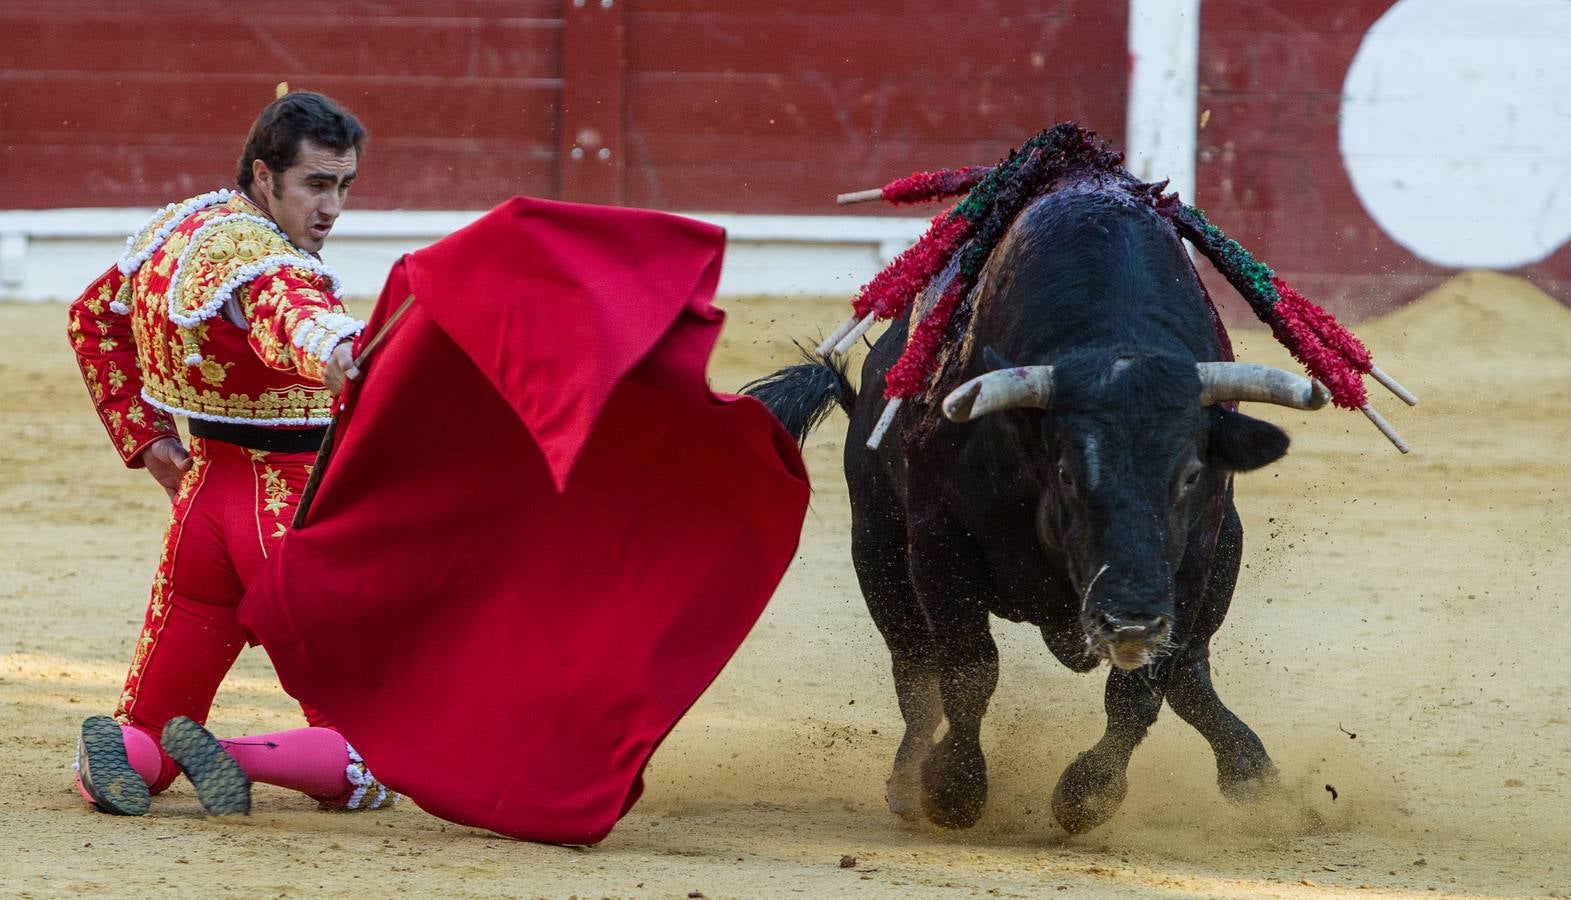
1223, 382
1024, 386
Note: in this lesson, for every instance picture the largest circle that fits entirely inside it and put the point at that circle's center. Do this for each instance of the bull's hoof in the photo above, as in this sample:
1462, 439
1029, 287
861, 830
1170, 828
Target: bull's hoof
954, 785
1244, 771
903, 794
1249, 784
1088, 793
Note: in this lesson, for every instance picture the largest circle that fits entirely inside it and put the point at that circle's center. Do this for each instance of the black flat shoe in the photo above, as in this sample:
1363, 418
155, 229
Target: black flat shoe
106, 775
221, 785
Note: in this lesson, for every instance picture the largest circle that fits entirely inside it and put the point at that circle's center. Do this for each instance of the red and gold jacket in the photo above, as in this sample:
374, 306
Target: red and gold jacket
213, 314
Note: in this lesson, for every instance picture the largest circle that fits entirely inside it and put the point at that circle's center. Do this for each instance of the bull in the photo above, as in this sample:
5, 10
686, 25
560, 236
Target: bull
1080, 479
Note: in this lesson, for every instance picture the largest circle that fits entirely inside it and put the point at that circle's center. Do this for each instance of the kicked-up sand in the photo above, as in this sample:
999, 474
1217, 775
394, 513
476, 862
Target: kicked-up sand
1401, 633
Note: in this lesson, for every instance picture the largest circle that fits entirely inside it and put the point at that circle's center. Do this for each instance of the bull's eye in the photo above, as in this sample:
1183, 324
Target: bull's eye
1064, 478
1192, 479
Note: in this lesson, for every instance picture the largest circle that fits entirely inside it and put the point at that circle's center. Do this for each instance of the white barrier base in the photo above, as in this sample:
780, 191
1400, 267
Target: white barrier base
51, 255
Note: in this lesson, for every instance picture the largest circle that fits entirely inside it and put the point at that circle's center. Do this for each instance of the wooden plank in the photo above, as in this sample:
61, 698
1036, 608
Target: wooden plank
91, 107
896, 9
732, 105
746, 175
593, 86
456, 48
162, 12
721, 118
771, 108
1273, 122
390, 177
877, 156
863, 44
1237, 60
1291, 16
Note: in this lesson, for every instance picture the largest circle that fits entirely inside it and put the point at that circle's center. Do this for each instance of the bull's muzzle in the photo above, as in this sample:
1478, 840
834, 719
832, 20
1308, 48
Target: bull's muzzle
1129, 641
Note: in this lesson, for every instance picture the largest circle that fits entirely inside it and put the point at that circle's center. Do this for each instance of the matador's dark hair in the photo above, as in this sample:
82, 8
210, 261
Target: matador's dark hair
294, 117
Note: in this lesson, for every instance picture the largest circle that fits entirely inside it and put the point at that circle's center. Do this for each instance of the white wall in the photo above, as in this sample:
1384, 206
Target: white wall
53, 254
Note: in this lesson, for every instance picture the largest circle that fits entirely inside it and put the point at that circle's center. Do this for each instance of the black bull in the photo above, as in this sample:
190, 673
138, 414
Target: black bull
1084, 486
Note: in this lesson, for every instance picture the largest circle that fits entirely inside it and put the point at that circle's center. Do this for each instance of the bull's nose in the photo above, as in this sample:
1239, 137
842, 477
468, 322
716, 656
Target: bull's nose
1133, 627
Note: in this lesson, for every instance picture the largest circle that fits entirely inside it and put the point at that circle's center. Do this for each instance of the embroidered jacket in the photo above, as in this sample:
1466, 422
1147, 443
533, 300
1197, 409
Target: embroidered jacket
213, 314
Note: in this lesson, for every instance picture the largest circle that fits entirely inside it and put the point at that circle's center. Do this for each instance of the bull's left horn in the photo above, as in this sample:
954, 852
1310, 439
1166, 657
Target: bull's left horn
1224, 382
1023, 386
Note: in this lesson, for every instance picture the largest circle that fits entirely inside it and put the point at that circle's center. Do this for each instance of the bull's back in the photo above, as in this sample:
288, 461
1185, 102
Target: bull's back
1091, 266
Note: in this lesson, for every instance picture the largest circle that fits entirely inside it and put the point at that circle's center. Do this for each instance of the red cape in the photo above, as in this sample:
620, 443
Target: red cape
541, 536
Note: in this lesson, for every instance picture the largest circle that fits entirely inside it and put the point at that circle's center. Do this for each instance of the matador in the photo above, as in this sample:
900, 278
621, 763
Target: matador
220, 311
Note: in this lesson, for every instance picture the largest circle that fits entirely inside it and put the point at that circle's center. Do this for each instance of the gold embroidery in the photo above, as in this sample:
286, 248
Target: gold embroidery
143, 645
100, 299
296, 402
277, 491
188, 483
175, 245
94, 387
217, 256
213, 372
116, 377
228, 357
136, 414
166, 263
107, 345
220, 248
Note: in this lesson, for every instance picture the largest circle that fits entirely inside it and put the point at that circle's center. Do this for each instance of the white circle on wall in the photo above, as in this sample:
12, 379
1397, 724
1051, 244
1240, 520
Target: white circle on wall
1456, 129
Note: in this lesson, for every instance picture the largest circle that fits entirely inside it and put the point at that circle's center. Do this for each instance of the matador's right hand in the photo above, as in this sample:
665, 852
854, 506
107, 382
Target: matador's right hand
340, 367
167, 461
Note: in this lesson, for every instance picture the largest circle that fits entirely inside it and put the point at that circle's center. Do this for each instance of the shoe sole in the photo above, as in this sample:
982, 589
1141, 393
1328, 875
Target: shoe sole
106, 774
221, 785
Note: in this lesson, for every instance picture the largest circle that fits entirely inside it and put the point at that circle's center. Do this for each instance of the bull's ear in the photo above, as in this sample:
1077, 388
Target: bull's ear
995, 360
1239, 443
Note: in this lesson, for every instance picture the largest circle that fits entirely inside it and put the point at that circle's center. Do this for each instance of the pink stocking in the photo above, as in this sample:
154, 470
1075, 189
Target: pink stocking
309, 760
147, 758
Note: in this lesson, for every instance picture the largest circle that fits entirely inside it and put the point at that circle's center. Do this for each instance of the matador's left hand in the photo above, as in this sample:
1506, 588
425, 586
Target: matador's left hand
340, 368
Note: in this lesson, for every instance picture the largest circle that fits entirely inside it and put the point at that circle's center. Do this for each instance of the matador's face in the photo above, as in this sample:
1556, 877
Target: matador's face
306, 198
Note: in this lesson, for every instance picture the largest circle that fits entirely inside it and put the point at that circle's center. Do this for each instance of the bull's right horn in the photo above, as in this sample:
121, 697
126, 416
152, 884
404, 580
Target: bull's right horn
1023, 386
1224, 382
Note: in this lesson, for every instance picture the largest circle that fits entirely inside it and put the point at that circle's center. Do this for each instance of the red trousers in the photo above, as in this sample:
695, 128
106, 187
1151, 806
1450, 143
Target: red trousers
232, 510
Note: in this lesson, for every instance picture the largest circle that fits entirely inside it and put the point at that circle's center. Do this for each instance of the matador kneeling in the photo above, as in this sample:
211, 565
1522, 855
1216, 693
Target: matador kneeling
221, 311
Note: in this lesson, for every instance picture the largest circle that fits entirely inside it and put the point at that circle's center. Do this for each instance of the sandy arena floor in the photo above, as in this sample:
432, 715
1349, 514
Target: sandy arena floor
1419, 603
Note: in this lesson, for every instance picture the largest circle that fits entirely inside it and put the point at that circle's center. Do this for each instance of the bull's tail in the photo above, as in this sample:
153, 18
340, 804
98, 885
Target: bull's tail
801, 395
